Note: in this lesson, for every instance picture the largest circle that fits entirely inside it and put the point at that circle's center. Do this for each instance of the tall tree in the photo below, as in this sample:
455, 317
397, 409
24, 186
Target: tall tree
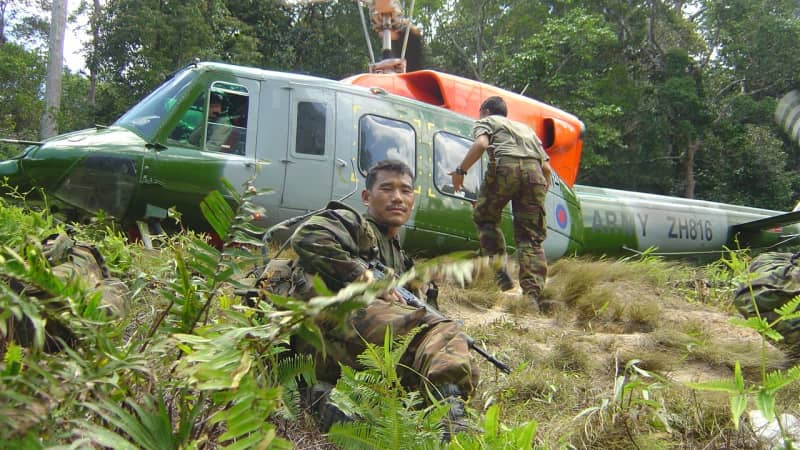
3, 8
55, 69
679, 95
340, 48
92, 63
756, 42
464, 41
21, 76
143, 41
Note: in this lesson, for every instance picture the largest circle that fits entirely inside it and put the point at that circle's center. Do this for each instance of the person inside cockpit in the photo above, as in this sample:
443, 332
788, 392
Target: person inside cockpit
218, 127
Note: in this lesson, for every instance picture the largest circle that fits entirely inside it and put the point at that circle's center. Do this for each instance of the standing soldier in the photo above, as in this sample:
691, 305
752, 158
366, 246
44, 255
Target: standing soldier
519, 172
338, 244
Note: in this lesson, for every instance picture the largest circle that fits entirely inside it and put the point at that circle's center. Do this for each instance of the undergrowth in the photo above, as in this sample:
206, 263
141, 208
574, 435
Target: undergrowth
193, 365
636, 354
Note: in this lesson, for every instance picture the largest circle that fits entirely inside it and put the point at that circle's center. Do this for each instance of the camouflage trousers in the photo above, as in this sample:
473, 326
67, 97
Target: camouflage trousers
438, 354
522, 182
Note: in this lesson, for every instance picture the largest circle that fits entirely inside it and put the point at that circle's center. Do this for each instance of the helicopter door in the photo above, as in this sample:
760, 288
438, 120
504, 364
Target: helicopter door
309, 156
214, 137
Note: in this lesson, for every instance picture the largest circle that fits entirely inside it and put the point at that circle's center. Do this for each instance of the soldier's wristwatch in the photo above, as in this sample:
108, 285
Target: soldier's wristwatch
460, 171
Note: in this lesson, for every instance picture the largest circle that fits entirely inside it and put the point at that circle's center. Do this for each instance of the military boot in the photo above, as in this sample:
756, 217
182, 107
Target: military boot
456, 420
545, 305
534, 304
504, 280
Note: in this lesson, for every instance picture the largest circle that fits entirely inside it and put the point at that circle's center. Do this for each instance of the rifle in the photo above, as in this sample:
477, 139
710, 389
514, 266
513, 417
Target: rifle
379, 272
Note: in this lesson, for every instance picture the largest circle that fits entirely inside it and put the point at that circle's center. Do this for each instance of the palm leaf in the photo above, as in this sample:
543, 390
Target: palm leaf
217, 212
150, 428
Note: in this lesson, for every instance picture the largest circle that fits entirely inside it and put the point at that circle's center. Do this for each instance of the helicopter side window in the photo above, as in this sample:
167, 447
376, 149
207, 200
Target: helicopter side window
381, 138
224, 113
448, 152
310, 128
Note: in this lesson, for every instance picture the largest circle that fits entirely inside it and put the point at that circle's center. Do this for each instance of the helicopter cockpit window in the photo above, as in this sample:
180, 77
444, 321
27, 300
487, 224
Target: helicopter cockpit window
448, 152
148, 114
221, 114
310, 128
382, 138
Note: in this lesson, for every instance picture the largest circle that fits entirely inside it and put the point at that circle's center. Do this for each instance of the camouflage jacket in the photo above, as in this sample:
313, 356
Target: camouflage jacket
338, 243
774, 282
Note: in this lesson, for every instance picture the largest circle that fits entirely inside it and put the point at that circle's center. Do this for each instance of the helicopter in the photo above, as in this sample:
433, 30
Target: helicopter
311, 140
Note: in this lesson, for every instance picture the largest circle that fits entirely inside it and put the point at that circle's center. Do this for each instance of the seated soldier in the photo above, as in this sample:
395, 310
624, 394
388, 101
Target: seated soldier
337, 245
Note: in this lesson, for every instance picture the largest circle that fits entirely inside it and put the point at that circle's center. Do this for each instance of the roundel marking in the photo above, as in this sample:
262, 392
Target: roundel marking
561, 216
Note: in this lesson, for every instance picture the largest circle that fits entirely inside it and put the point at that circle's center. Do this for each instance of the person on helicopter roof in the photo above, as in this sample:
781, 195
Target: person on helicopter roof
338, 244
519, 172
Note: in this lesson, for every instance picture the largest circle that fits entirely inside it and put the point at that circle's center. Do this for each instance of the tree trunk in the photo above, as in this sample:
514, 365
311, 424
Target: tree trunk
479, 44
93, 65
3, 5
55, 70
691, 151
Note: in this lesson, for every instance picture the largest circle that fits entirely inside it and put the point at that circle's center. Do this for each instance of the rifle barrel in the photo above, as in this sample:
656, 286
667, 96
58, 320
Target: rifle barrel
497, 363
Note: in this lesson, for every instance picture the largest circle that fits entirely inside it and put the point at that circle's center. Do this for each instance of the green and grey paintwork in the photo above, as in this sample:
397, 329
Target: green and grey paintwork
136, 175
615, 221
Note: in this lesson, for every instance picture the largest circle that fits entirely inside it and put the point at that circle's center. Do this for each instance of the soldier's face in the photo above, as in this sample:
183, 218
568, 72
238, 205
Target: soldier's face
391, 198
214, 109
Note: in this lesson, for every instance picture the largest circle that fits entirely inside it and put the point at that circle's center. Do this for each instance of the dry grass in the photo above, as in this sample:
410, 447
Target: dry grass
303, 434
667, 320
661, 317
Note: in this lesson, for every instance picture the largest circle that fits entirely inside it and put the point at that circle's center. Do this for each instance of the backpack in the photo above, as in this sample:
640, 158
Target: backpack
284, 277
776, 281
70, 260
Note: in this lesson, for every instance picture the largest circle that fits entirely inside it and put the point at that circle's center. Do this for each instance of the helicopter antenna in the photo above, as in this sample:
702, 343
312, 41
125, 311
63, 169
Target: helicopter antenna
366, 34
408, 30
387, 20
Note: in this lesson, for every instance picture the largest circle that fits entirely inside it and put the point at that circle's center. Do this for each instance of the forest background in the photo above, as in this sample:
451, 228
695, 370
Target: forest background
677, 96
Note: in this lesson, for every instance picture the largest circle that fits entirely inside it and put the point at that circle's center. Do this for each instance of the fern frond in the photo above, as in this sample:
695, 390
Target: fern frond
292, 367
777, 380
354, 435
788, 308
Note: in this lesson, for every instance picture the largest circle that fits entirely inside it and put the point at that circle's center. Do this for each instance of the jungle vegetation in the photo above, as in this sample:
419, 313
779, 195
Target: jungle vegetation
680, 94
638, 353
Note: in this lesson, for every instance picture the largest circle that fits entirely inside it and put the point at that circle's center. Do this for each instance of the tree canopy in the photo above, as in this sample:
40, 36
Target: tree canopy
678, 93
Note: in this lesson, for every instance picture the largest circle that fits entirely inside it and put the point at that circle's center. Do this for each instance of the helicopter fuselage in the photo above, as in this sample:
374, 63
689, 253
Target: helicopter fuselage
311, 140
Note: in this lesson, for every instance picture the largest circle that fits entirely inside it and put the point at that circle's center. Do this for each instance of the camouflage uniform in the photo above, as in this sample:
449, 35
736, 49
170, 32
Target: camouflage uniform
776, 282
335, 245
70, 261
514, 174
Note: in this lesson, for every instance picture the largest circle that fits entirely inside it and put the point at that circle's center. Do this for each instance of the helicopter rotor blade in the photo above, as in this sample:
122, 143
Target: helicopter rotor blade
20, 142
787, 114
